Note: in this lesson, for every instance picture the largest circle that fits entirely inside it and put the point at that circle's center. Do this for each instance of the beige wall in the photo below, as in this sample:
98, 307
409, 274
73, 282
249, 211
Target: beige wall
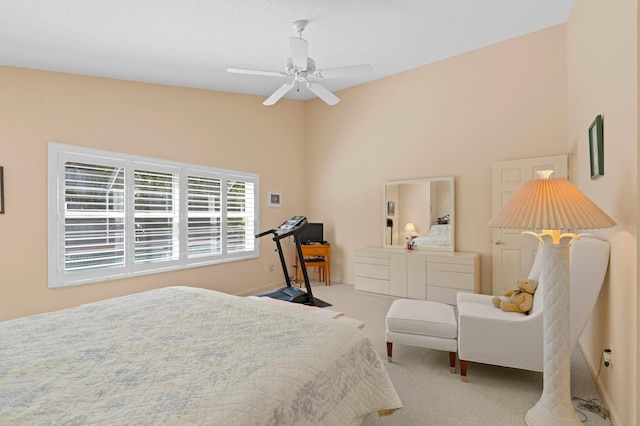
602, 53
454, 117
194, 126
451, 118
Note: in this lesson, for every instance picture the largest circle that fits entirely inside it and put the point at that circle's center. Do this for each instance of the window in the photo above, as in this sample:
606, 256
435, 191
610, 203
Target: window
114, 215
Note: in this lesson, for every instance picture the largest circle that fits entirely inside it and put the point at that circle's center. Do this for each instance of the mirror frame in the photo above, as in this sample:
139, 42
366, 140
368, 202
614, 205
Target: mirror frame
386, 208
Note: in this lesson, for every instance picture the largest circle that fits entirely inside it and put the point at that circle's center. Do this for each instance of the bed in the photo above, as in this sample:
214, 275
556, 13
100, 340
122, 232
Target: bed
183, 355
439, 236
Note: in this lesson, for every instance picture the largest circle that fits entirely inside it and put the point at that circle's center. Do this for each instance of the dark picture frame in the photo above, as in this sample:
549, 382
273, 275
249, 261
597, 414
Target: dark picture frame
596, 148
274, 199
1, 190
391, 208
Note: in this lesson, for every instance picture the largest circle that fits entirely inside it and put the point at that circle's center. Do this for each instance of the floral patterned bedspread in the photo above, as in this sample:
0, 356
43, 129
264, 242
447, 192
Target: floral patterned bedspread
439, 236
183, 355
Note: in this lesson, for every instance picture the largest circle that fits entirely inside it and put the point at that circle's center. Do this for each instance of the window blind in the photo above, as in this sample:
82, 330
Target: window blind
113, 215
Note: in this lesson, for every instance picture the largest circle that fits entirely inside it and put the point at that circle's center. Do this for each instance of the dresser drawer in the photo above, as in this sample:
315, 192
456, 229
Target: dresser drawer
456, 280
372, 285
467, 268
456, 272
369, 270
453, 258
372, 260
371, 252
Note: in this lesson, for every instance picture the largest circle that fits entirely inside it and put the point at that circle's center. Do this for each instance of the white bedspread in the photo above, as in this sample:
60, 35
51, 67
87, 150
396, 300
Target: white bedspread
439, 236
183, 355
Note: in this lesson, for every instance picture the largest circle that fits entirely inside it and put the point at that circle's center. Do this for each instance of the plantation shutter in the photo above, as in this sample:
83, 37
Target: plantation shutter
94, 214
204, 216
156, 217
240, 208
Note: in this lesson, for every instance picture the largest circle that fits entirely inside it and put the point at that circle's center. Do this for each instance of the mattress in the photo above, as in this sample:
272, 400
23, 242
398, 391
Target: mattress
183, 355
439, 236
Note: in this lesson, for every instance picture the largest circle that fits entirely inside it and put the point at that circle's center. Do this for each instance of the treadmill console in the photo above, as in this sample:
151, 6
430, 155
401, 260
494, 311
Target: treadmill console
291, 224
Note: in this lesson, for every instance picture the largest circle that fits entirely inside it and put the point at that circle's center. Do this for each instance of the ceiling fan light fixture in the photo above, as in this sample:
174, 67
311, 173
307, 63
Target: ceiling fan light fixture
291, 69
299, 26
300, 66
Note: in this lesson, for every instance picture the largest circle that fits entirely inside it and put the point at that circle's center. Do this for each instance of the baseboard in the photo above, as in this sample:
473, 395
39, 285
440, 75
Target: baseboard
263, 289
593, 370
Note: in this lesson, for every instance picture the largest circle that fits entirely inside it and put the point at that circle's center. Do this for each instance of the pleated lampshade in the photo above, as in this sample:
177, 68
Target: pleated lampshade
550, 203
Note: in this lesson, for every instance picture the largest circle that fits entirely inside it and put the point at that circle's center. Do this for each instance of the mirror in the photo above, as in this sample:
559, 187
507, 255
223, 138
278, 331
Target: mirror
420, 209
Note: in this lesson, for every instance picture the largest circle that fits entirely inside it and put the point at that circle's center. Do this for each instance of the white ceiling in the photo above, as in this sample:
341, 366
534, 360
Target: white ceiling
191, 42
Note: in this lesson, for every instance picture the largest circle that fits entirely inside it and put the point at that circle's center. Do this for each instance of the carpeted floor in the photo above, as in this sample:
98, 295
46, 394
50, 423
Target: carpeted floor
431, 395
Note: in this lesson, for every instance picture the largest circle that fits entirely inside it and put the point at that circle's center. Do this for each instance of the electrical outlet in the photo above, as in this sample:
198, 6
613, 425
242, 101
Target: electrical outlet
271, 267
607, 358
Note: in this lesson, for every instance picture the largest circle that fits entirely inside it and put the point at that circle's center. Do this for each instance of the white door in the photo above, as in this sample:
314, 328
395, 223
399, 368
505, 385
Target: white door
513, 253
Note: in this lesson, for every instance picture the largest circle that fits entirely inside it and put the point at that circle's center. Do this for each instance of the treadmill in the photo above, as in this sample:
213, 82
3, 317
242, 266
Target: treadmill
292, 227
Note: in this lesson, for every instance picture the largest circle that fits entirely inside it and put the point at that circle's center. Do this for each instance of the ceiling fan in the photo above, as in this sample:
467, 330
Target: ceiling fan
303, 70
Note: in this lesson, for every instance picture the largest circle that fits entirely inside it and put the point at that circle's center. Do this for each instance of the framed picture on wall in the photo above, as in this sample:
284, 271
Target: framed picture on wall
391, 208
596, 148
274, 199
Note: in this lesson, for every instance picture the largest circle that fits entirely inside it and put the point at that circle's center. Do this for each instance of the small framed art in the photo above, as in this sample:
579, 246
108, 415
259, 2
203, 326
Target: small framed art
596, 148
274, 199
391, 208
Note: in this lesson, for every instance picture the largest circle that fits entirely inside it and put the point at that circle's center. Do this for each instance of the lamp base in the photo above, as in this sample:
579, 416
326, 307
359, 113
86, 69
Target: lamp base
555, 407
540, 416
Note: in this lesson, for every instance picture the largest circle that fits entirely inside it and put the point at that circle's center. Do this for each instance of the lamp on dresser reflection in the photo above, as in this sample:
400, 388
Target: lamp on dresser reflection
410, 229
551, 205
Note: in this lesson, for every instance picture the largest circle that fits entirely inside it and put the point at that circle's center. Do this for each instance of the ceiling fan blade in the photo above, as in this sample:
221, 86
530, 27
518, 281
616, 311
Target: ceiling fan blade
256, 72
282, 90
299, 52
322, 92
350, 71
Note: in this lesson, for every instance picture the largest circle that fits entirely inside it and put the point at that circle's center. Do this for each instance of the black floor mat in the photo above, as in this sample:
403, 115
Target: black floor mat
321, 303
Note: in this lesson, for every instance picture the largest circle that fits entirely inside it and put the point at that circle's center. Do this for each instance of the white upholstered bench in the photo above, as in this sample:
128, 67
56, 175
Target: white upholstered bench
424, 324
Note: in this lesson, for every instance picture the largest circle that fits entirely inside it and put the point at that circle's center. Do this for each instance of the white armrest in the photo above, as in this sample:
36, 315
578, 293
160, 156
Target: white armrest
464, 297
489, 335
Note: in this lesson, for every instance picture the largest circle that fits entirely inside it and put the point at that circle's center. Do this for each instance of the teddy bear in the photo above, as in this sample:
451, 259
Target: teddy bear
519, 300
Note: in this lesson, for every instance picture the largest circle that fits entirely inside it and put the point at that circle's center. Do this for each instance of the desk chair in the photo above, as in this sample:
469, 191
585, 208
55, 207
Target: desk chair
321, 266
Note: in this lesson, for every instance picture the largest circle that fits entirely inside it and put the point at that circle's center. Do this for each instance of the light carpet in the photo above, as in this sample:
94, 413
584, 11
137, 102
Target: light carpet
431, 395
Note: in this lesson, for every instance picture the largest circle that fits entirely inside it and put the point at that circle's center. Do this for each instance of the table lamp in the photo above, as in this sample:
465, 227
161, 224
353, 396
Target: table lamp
551, 205
410, 229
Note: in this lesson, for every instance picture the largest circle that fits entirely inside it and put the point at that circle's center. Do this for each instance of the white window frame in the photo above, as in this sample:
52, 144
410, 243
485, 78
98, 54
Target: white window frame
60, 154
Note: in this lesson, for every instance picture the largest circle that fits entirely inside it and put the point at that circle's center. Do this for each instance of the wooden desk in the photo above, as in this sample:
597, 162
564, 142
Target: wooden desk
315, 250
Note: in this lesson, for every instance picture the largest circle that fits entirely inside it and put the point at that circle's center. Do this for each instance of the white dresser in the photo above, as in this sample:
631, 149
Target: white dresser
416, 274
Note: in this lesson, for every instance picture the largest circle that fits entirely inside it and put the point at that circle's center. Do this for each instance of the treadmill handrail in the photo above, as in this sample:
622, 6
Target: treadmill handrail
278, 234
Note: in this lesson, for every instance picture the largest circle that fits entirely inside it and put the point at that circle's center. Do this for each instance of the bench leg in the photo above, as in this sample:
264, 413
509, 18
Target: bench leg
463, 370
452, 361
389, 350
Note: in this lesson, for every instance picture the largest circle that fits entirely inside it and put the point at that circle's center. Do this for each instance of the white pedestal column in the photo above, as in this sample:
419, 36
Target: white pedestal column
555, 406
